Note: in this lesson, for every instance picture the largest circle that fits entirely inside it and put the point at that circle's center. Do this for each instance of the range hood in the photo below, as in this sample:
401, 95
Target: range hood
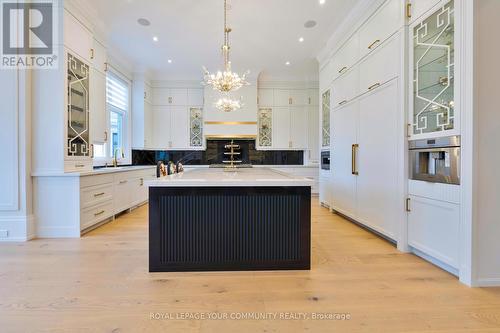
241, 123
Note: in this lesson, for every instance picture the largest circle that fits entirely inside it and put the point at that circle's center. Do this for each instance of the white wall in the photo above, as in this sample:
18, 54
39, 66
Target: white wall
487, 163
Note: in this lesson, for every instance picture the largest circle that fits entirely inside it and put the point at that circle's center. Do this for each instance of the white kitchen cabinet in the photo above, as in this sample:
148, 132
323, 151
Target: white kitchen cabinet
434, 229
195, 97
161, 127
313, 96
381, 25
343, 154
98, 55
142, 115
179, 127
281, 127
381, 66
148, 125
296, 97
298, 127
346, 57
77, 38
379, 199
98, 118
170, 96
122, 193
325, 126
345, 88
281, 97
266, 97
420, 7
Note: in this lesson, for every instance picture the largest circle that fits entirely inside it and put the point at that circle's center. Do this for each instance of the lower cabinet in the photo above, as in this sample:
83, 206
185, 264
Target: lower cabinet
70, 205
433, 229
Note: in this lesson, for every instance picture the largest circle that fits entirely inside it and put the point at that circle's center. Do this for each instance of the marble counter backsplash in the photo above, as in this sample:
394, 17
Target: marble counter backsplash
214, 154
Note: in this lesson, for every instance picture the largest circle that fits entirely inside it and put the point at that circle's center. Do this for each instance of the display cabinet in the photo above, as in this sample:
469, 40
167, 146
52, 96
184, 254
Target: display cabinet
432, 55
325, 119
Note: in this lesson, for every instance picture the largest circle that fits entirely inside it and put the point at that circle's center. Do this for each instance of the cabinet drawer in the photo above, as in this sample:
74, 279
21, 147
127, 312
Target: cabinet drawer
381, 66
385, 22
91, 216
346, 57
78, 166
94, 195
96, 180
345, 88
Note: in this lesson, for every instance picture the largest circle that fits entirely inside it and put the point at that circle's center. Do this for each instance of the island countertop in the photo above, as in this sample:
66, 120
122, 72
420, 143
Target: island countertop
251, 177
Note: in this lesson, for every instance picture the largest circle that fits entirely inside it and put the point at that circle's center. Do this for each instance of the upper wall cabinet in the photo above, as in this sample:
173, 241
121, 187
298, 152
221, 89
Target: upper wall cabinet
432, 54
287, 97
195, 97
417, 8
387, 20
98, 56
346, 57
170, 96
78, 146
77, 37
266, 97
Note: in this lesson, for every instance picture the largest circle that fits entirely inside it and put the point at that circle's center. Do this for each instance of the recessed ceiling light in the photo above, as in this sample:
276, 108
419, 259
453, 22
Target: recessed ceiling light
155, 38
287, 63
144, 22
310, 24
169, 61
322, 2
301, 39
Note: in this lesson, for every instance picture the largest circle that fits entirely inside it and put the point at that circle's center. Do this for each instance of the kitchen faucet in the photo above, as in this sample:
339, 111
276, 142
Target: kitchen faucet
115, 160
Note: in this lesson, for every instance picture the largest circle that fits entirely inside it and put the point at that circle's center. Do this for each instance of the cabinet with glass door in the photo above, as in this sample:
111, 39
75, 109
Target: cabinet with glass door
433, 110
78, 147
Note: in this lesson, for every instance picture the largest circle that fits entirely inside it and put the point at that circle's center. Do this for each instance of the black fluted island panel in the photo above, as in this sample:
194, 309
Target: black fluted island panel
229, 228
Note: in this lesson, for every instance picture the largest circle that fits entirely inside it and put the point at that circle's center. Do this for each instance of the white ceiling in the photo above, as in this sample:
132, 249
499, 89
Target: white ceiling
265, 35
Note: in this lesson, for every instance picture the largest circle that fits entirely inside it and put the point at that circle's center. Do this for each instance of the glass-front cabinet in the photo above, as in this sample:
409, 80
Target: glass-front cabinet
196, 127
325, 119
432, 54
265, 124
77, 132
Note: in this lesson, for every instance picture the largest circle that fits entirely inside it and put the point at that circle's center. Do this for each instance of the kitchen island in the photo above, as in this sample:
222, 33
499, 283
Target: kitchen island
213, 219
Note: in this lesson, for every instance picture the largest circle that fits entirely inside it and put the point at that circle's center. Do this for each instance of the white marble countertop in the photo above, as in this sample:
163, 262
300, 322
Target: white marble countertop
203, 177
94, 172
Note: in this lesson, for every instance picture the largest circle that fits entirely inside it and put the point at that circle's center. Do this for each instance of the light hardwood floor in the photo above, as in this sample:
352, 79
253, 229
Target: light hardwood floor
100, 283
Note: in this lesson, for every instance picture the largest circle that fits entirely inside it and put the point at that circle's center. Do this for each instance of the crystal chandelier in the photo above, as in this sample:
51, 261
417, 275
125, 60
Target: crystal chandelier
226, 81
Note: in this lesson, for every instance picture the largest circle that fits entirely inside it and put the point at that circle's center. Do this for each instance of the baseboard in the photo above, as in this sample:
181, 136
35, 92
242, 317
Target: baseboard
20, 228
488, 282
435, 262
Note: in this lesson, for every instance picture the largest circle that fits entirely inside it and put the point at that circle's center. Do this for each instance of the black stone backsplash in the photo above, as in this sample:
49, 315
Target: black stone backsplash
215, 155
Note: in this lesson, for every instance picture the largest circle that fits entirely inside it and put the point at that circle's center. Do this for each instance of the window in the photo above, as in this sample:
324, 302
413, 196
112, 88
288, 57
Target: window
117, 101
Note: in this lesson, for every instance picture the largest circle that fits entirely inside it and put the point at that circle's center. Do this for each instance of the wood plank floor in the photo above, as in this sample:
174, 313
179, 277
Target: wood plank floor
100, 283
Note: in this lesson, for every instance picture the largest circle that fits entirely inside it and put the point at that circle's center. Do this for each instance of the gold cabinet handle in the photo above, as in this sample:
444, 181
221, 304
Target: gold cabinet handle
92, 54
408, 207
92, 150
343, 102
105, 136
170, 100
142, 181
373, 86
123, 181
342, 69
408, 10
99, 194
100, 213
354, 166
79, 165
373, 44
408, 130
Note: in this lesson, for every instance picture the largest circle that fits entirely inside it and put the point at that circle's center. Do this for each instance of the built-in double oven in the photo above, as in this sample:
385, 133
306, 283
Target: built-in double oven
325, 159
436, 160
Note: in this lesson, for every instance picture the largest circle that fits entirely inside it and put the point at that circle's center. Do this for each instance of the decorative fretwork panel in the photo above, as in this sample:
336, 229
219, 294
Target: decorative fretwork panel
433, 81
325, 119
78, 108
196, 127
265, 127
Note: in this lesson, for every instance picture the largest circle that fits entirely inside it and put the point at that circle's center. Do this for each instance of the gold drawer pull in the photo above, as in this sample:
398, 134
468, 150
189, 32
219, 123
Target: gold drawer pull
342, 69
376, 85
123, 181
79, 165
373, 44
354, 166
100, 213
343, 102
408, 10
99, 194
